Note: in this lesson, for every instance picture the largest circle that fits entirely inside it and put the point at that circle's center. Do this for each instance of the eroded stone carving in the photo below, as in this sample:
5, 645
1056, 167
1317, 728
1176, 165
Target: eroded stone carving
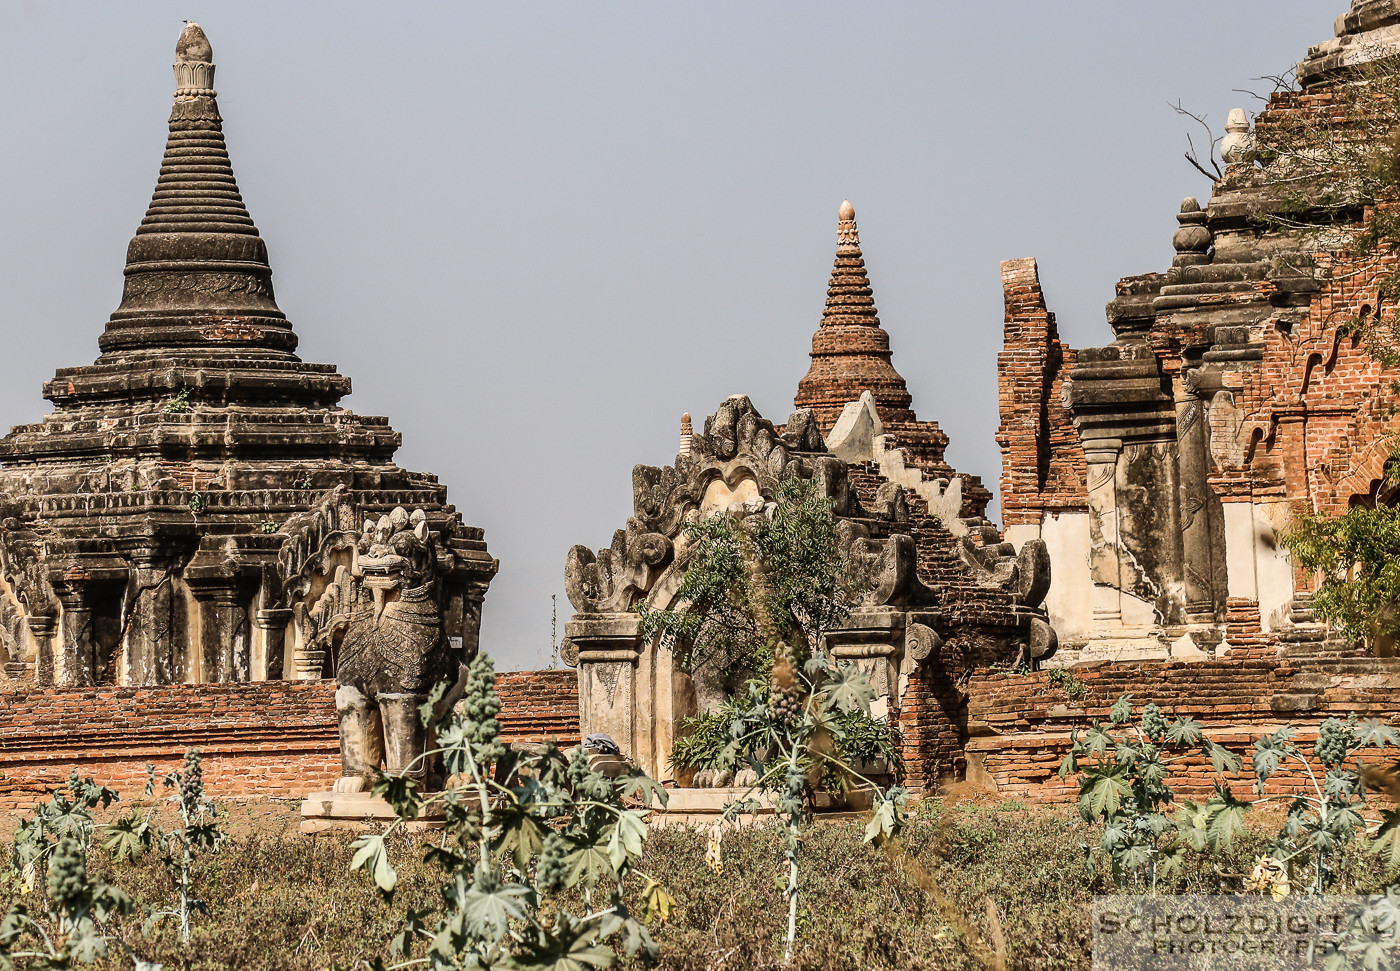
391, 649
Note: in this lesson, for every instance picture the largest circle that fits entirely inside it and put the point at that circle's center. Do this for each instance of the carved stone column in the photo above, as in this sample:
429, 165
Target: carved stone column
41, 627
225, 644
77, 659
622, 693
1198, 509
153, 625
1104, 567
472, 599
872, 638
1127, 426
273, 623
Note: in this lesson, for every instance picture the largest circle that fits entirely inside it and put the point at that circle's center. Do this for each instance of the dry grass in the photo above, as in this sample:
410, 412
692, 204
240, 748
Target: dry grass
967, 887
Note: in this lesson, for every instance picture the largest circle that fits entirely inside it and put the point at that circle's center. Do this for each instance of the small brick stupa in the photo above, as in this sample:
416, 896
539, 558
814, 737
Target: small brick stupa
851, 355
196, 488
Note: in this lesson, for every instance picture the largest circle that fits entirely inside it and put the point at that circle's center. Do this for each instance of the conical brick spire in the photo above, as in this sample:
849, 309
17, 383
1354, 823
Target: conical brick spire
851, 355
850, 350
197, 274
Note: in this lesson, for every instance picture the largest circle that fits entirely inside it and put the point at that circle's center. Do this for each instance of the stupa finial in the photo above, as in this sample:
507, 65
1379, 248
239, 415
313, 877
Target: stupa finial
194, 63
846, 232
687, 434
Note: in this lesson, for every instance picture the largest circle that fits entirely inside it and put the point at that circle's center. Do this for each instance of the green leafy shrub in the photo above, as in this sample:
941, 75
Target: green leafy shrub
522, 829
859, 739
69, 924
1123, 786
178, 404
759, 593
752, 582
1072, 686
1325, 815
1358, 556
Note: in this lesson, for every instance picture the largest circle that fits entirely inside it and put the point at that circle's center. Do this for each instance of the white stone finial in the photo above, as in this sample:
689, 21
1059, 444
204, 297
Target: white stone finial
1237, 147
687, 432
194, 63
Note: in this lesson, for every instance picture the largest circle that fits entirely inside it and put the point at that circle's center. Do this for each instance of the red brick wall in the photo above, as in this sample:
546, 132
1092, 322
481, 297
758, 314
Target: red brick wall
1019, 725
268, 739
536, 705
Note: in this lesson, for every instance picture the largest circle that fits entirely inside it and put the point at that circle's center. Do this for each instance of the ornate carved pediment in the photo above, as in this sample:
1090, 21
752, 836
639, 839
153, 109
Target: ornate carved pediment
22, 555
735, 465
313, 537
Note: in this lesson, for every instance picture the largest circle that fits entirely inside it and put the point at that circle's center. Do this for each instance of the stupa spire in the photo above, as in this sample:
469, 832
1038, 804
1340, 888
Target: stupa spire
197, 273
850, 350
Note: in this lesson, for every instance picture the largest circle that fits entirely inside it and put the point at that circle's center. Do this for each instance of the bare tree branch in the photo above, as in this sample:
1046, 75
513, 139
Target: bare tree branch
1192, 155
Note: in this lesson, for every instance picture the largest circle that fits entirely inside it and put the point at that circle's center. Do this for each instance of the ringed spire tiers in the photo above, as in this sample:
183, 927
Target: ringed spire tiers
850, 350
198, 280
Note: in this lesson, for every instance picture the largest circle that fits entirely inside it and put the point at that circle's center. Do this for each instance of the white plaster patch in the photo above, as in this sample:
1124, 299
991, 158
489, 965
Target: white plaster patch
1273, 567
719, 497
1184, 649
1070, 600
853, 437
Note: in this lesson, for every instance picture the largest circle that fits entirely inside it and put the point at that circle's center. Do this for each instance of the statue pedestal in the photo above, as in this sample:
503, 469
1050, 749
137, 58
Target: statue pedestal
705, 806
322, 811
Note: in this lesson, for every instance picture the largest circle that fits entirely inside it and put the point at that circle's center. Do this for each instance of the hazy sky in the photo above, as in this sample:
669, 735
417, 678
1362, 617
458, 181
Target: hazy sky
534, 234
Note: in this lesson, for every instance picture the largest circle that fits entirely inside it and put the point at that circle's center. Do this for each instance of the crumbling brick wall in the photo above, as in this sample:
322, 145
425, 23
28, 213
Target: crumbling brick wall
1042, 468
266, 739
1020, 724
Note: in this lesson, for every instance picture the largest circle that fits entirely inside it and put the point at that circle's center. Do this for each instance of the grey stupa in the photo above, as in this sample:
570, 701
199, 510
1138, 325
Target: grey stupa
181, 513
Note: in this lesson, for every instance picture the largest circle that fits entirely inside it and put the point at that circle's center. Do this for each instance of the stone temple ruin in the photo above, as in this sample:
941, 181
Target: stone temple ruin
198, 509
945, 597
182, 512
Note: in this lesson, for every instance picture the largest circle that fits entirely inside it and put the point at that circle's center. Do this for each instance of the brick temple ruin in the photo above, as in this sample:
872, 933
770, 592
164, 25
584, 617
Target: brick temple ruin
1161, 469
177, 519
1154, 474
944, 597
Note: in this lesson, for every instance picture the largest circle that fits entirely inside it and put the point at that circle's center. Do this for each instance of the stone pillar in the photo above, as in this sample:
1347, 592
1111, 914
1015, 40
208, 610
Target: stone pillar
473, 597
41, 627
225, 644
273, 623
1101, 457
152, 627
872, 638
77, 659
621, 693
1199, 511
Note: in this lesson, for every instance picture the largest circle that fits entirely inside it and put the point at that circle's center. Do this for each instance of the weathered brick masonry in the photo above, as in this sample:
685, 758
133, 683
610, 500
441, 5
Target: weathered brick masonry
268, 739
1019, 725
